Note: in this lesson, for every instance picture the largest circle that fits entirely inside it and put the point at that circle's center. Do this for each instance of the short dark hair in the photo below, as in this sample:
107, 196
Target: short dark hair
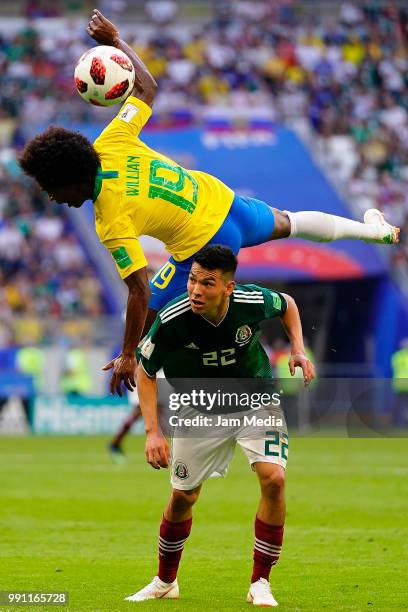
217, 257
60, 157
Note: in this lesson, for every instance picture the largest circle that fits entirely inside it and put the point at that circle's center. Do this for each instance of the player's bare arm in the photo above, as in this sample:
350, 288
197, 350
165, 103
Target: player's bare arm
156, 448
293, 328
124, 366
106, 33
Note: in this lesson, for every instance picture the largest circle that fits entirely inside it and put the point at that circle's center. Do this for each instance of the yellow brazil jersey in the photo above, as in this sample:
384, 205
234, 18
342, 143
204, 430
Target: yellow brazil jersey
139, 191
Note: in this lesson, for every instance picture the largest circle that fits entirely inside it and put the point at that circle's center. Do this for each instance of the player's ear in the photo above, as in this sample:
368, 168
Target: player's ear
230, 287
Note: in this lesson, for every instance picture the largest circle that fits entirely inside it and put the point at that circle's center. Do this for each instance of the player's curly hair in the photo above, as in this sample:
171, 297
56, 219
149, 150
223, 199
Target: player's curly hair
217, 257
60, 157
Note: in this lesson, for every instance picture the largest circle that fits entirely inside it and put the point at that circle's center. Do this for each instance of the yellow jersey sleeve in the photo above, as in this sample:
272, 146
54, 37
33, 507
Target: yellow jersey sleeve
126, 126
127, 255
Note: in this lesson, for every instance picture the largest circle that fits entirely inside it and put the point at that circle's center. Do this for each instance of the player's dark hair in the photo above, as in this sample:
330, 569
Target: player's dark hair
60, 157
217, 257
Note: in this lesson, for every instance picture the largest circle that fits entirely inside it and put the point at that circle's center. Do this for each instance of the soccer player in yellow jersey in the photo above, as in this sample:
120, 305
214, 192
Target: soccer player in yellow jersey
137, 190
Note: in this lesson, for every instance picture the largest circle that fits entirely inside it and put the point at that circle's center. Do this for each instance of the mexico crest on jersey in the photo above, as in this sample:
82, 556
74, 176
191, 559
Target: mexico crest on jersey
180, 470
243, 334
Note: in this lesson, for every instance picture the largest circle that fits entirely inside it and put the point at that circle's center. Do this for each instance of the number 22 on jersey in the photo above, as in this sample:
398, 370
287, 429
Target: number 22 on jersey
217, 358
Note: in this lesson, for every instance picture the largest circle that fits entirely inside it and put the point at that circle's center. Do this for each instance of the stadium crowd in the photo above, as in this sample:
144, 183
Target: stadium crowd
44, 273
341, 80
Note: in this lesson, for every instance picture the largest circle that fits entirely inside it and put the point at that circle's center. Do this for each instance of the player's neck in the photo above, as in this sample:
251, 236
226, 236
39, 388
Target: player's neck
218, 316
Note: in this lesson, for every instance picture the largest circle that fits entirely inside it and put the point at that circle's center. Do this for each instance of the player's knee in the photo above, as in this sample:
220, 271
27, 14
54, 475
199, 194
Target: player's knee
282, 225
273, 483
181, 501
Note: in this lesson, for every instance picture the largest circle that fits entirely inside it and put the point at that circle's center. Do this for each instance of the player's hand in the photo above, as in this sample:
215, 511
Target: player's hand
157, 451
102, 30
300, 360
124, 368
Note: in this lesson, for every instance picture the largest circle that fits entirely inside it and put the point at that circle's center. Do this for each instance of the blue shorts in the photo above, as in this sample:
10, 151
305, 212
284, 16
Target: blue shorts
248, 223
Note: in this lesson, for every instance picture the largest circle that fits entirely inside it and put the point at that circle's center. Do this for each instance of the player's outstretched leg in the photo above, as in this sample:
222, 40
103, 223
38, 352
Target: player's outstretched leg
251, 222
322, 227
115, 447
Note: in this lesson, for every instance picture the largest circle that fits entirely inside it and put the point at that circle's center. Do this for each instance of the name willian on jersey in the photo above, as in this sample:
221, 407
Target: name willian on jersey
132, 175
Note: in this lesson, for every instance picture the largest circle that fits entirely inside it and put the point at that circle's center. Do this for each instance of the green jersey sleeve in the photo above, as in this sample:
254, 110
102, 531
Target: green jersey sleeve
153, 349
259, 302
275, 303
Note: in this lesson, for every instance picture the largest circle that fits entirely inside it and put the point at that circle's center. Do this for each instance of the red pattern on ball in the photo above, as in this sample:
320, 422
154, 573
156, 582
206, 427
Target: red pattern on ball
117, 90
122, 61
98, 71
81, 86
95, 102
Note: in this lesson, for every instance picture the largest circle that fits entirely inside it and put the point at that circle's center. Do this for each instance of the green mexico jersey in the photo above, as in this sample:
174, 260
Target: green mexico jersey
186, 345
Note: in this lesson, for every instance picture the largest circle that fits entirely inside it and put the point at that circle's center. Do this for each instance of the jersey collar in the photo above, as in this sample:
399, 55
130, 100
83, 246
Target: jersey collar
100, 175
219, 322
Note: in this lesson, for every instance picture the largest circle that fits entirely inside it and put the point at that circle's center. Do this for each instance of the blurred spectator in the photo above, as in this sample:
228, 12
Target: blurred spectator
42, 8
295, 403
30, 360
161, 12
400, 384
76, 378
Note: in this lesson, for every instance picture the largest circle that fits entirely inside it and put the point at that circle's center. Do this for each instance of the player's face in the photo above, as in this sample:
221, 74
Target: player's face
208, 290
74, 195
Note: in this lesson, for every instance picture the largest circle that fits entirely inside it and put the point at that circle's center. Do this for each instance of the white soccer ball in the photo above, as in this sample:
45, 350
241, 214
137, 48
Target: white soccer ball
104, 76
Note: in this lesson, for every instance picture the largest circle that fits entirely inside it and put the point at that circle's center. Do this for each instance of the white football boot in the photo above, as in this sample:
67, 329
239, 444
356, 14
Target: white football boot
387, 233
259, 594
157, 589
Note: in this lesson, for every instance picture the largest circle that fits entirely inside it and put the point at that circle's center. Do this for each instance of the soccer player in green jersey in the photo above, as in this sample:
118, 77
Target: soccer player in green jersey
213, 332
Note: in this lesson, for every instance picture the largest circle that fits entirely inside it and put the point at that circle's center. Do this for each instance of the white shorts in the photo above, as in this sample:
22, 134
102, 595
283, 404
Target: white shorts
194, 459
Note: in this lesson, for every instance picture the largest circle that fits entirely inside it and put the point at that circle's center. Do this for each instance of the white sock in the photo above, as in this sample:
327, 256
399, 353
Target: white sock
321, 227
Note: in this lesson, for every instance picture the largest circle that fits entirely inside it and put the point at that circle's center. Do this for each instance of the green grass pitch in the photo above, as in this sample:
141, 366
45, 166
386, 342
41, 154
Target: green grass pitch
72, 521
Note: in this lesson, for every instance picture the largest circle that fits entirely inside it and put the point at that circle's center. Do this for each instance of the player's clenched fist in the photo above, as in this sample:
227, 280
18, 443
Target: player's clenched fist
102, 30
157, 451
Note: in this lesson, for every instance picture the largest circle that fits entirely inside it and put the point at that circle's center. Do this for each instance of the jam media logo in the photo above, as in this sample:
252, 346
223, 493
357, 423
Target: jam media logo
181, 471
243, 335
